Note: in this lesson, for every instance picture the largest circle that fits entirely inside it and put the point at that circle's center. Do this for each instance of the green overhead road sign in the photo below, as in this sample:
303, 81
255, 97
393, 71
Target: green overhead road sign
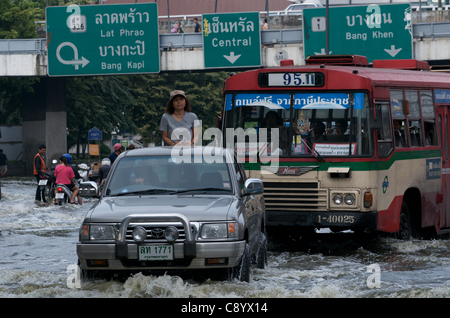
231, 40
102, 39
379, 32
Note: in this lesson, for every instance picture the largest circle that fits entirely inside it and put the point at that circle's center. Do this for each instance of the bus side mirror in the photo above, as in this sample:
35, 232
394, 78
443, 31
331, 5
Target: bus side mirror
375, 118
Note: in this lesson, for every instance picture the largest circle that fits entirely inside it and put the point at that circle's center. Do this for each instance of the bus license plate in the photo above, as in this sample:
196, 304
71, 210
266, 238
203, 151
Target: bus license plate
162, 252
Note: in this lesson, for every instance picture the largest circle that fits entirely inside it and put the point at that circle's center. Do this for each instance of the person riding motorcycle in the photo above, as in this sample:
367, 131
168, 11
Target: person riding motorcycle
118, 149
75, 172
103, 173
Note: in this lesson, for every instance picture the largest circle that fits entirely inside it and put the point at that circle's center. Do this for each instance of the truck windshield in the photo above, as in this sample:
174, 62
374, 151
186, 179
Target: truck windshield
168, 174
298, 124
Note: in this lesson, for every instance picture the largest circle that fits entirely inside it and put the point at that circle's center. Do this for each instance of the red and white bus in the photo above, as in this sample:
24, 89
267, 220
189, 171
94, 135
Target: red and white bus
360, 146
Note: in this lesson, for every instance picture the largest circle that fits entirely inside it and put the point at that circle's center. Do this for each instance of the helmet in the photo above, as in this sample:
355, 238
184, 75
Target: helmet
118, 146
69, 157
106, 162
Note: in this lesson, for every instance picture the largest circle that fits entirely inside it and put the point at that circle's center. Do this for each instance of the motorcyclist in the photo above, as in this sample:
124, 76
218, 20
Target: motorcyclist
118, 149
104, 170
69, 161
75, 171
103, 173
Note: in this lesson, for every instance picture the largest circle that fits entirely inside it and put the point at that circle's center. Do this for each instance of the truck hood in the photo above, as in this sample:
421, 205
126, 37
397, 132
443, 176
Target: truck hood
194, 207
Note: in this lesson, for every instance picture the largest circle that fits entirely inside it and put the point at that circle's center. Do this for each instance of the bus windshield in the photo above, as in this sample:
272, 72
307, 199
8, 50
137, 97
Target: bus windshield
319, 123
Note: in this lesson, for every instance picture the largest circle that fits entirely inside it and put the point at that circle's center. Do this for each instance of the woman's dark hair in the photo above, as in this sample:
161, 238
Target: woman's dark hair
64, 160
170, 109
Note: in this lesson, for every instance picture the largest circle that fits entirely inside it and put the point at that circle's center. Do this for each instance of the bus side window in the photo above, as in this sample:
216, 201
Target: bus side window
430, 134
414, 118
399, 110
385, 142
429, 121
399, 134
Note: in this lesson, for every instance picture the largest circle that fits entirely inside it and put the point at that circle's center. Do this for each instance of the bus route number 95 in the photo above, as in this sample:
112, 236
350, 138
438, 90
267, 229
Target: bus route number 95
291, 79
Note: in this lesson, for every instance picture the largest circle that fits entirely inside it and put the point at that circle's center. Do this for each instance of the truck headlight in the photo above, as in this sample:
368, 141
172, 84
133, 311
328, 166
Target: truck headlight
102, 232
219, 230
171, 233
139, 234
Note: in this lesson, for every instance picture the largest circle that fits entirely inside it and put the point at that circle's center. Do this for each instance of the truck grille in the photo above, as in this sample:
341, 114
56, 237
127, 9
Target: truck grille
295, 196
155, 232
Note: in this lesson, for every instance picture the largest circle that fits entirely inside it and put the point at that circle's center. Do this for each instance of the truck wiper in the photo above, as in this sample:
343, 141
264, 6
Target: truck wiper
201, 190
148, 191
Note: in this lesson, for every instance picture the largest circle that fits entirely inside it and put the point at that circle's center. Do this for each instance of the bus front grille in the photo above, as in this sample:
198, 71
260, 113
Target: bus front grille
298, 196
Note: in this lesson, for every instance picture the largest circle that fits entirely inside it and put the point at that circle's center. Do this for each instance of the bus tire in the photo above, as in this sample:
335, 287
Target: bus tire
404, 231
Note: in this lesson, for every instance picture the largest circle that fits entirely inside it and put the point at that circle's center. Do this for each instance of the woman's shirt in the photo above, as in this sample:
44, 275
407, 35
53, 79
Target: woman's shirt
64, 174
179, 130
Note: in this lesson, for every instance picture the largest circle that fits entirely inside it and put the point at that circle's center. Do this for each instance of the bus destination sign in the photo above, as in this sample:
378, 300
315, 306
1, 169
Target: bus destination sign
291, 79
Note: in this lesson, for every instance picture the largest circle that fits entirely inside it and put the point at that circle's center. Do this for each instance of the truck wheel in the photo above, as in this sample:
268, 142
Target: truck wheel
244, 267
261, 255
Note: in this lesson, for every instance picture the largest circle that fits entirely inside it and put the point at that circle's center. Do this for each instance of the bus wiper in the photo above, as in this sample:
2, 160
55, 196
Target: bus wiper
148, 191
317, 154
200, 189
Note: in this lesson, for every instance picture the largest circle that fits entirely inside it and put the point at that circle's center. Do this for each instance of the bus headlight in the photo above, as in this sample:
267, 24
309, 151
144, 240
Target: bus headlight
337, 199
349, 199
343, 199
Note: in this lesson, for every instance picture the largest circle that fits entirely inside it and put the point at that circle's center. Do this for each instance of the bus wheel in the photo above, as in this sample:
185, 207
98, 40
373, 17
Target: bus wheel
404, 231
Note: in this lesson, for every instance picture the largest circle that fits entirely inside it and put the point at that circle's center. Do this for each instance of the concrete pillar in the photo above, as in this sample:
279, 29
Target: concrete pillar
44, 120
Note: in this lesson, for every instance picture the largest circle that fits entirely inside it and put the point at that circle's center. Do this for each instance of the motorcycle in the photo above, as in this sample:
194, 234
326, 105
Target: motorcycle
63, 194
84, 171
60, 192
47, 185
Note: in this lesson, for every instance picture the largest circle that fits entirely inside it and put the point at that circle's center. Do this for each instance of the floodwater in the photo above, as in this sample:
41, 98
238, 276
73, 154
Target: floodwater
38, 244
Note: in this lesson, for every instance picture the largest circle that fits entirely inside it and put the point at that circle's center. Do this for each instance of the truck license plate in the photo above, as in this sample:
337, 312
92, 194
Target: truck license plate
156, 252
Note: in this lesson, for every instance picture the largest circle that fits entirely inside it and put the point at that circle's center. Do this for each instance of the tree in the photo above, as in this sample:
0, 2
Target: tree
17, 19
102, 102
11, 91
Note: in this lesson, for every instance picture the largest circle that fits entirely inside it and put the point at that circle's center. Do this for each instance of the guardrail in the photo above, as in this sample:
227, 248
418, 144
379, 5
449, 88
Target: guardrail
431, 30
185, 41
23, 46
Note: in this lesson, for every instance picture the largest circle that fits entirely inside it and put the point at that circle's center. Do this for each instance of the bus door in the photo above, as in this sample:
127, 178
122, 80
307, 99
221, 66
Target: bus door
444, 122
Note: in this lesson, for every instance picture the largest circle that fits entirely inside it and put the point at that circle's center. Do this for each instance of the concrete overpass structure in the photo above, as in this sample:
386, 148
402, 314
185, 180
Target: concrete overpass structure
44, 112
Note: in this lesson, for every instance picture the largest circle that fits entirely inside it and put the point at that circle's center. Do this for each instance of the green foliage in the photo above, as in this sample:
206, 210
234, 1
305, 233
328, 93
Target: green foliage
101, 102
11, 91
17, 19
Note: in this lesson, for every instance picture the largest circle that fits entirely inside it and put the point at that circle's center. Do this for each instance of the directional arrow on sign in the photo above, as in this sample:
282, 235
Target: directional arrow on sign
393, 52
232, 58
75, 61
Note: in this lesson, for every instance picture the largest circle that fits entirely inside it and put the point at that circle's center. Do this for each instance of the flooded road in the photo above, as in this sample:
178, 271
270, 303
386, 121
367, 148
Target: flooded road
38, 244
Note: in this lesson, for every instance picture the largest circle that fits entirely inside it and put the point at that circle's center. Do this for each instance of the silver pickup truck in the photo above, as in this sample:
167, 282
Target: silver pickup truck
175, 209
